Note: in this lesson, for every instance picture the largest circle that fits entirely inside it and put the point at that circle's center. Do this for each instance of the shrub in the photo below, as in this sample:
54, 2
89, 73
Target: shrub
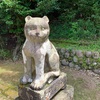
83, 29
80, 29
4, 54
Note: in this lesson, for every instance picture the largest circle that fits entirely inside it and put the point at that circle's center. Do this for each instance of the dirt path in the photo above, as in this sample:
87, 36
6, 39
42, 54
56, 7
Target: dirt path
85, 83
89, 82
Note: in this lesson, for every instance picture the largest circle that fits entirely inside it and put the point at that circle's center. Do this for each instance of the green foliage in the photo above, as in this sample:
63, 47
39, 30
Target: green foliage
72, 10
74, 18
4, 54
69, 19
80, 29
83, 29
46, 6
81, 19
59, 30
12, 13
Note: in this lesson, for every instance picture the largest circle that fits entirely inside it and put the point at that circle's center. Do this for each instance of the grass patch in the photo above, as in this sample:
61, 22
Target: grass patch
85, 45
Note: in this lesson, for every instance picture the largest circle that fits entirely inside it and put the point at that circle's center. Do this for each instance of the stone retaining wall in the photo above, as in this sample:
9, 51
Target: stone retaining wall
79, 59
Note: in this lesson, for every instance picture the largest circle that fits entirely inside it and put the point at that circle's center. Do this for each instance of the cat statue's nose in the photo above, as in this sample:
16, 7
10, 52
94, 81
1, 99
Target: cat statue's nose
37, 34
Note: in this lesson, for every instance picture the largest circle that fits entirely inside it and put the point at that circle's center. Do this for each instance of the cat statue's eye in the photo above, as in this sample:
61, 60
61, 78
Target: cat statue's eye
42, 28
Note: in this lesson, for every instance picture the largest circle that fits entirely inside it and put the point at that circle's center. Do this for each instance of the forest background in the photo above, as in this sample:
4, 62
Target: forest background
70, 20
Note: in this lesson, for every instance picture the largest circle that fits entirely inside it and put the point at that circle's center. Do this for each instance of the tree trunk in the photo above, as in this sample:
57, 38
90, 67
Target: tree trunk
16, 52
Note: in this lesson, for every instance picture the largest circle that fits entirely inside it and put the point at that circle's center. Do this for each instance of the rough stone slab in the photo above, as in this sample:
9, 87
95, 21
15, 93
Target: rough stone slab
26, 93
66, 94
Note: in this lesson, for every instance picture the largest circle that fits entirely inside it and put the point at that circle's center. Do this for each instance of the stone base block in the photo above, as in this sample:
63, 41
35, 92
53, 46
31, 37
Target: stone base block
47, 93
66, 94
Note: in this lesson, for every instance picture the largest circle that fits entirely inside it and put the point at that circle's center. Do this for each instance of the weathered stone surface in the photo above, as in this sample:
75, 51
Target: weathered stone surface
62, 50
81, 60
73, 52
75, 59
88, 61
97, 71
61, 56
64, 62
26, 93
79, 53
85, 59
95, 55
88, 54
94, 63
77, 67
67, 55
71, 64
66, 94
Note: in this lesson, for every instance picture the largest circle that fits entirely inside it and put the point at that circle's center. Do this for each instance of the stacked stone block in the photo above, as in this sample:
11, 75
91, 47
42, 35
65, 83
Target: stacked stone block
79, 59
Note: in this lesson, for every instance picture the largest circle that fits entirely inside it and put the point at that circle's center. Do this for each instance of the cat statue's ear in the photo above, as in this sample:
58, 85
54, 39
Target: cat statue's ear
27, 18
46, 18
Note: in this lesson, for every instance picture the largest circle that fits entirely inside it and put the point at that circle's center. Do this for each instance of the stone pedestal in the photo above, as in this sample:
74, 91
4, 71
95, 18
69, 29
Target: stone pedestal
53, 91
66, 94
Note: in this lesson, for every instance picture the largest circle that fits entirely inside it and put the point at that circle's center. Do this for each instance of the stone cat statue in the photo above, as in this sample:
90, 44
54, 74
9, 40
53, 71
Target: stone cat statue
38, 53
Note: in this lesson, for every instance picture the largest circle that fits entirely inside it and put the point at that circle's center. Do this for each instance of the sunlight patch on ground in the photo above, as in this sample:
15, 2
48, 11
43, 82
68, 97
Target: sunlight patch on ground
8, 90
10, 74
